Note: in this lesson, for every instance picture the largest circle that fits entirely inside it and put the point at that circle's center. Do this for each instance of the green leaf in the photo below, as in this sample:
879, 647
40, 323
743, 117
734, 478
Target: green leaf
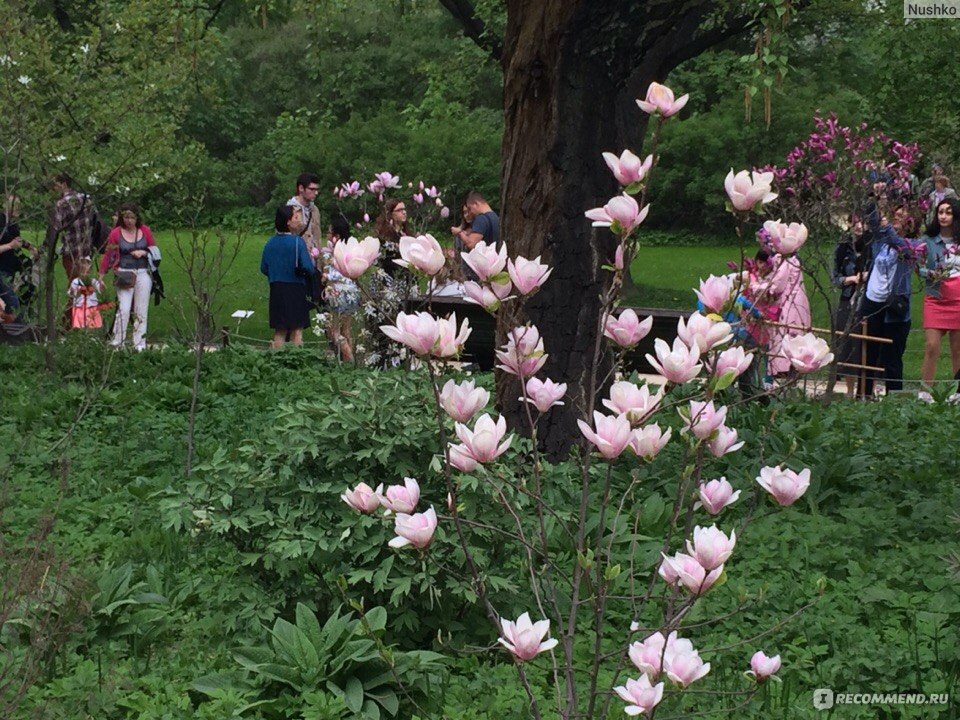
353, 694
377, 619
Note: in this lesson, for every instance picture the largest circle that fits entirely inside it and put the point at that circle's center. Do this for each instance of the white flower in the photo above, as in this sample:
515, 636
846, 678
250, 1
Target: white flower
24, 80
6, 61
93, 180
85, 48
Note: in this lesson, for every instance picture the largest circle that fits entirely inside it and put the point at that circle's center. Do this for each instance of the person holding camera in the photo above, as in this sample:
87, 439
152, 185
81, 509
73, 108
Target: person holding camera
11, 258
289, 268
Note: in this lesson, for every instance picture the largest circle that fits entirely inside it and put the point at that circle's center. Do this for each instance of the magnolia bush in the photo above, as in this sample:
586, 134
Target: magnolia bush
575, 594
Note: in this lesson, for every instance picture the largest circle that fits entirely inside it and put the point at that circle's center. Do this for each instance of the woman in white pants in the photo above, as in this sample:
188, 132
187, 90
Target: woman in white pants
126, 253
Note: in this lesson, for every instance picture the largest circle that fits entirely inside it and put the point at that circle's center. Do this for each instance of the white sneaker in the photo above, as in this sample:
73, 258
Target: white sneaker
925, 396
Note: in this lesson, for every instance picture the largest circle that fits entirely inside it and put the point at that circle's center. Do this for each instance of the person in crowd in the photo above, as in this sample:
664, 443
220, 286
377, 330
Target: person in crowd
784, 289
484, 224
288, 266
941, 301
390, 226
458, 232
927, 186
341, 293
82, 292
308, 185
127, 254
849, 275
886, 301
12, 262
941, 191
74, 218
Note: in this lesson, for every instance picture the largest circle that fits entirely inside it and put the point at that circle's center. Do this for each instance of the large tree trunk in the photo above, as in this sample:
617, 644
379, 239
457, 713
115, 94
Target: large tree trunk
572, 70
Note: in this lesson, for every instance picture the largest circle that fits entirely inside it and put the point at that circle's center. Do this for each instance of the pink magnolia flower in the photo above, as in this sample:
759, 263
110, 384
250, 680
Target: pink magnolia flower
352, 257
528, 275
450, 340
647, 441
523, 354
402, 498
715, 292
725, 441
351, 189
702, 332
689, 573
678, 365
416, 530
444, 212
635, 402
363, 498
461, 458
786, 486
544, 394
376, 187
628, 168
745, 192
732, 361
366, 219
660, 100
711, 547
807, 353
485, 260
716, 495
626, 330
524, 638
418, 331
783, 238
422, 253
387, 180
431, 192
618, 257
612, 435
483, 443
703, 418
763, 667
485, 295
648, 655
684, 666
640, 696
314, 252
461, 402
418, 198
621, 214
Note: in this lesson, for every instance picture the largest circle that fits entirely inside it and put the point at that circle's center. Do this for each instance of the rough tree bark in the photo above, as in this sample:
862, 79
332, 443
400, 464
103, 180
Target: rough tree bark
571, 72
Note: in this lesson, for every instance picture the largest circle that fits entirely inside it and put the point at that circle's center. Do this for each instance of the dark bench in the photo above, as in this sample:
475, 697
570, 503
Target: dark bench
481, 344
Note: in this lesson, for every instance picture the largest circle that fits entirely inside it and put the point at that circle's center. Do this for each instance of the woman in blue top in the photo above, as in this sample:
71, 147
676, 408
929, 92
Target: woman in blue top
941, 302
286, 262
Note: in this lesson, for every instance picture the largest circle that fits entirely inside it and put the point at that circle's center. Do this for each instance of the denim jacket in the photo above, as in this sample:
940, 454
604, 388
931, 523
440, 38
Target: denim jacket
936, 251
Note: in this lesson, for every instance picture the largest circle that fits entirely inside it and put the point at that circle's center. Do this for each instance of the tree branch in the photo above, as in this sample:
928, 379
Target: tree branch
473, 27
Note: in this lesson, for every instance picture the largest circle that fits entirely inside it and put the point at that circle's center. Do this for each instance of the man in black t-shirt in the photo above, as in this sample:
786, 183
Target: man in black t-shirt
484, 223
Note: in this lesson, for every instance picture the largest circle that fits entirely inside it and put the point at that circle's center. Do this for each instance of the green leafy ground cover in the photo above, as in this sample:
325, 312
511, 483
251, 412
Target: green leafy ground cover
212, 596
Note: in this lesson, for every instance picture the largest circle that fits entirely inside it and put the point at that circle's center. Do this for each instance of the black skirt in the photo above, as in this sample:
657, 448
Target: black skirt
288, 306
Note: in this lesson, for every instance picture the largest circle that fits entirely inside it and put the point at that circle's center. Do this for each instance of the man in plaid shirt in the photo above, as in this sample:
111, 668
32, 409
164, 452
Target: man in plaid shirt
73, 218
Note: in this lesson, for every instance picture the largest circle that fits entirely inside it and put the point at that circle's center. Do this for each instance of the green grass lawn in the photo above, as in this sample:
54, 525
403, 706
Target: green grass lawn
664, 277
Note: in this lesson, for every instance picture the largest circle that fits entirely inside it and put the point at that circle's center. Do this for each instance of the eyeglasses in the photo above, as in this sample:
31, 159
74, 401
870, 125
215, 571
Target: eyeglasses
313, 188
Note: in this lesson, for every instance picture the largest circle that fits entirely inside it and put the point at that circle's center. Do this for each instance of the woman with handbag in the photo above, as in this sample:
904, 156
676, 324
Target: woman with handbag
289, 268
126, 253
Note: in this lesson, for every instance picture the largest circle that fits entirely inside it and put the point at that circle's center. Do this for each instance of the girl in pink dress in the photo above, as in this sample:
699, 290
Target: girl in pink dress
784, 288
